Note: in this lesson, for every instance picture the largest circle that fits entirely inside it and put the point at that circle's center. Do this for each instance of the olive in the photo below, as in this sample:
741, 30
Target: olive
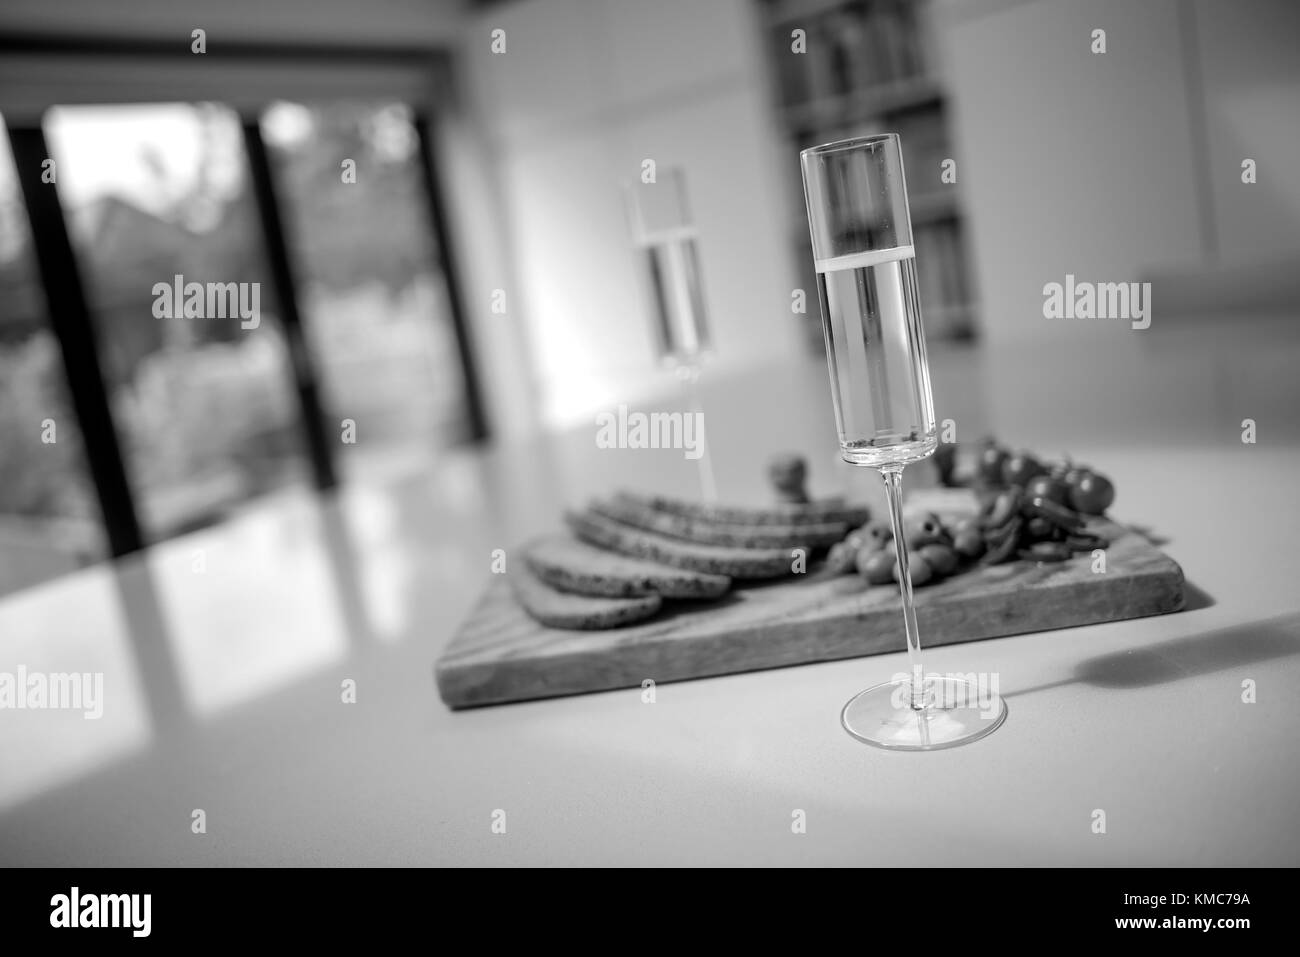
1002, 542
918, 568
945, 462
856, 538
878, 534
1052, 489
924, 530
1058, 515
1004, 507
877, 567
990, 464
1019, 468
842, 558
1039, 528
1009, 529
1081, 541
941, 558
1047, 552
988, 498
969, 543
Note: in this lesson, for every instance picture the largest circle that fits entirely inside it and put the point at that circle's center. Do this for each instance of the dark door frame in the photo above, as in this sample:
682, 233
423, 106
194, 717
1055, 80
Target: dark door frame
262, 178
72, 326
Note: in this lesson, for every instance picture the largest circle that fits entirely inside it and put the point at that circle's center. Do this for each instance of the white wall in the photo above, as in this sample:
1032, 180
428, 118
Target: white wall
1070, 161
1074, 162
477, 217
1125, 163
584, 93
1248, 52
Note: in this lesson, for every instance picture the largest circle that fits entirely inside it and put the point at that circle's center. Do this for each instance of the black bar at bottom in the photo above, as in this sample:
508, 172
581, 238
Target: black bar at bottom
332, 907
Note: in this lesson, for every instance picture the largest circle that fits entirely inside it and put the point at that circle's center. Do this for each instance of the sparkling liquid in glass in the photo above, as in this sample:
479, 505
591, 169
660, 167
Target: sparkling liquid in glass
680, 323
880, 381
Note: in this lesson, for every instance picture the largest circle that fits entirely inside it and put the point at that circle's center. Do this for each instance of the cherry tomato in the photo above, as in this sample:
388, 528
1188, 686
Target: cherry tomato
1019, 468
1074, 473
969, 543
924, 530
1092, 494
918, 568
941, 558
1052, 489
842, 558
1037, 529
877, 567
989, 468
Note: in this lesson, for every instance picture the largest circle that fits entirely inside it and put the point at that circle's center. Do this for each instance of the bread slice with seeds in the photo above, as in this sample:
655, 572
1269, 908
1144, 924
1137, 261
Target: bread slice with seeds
558, 609
575, 566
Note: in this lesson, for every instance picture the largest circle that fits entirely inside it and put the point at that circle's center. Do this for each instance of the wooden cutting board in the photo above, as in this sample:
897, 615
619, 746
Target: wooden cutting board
500, 654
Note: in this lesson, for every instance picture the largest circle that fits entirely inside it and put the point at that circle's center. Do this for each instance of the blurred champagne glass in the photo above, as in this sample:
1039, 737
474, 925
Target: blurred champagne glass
664, 236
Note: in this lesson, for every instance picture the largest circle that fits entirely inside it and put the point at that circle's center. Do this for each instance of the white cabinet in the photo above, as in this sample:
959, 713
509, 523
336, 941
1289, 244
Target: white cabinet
1071, 161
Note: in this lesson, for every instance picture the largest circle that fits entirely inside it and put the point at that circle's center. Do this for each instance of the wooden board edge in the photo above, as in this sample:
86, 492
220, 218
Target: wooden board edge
478, 685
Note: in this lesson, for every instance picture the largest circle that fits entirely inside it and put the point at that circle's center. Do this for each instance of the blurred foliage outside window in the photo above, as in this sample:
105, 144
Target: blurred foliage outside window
206, 411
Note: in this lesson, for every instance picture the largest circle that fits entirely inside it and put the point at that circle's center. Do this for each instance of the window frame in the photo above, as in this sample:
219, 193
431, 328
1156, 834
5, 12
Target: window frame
71, 316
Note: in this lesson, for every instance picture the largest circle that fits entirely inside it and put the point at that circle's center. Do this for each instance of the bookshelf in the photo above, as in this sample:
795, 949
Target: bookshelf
871, 66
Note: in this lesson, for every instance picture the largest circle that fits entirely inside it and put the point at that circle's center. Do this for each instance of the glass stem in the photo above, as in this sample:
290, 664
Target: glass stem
893, 476
708, 485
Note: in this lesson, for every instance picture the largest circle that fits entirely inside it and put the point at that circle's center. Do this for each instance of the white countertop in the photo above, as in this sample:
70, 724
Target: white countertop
224, 653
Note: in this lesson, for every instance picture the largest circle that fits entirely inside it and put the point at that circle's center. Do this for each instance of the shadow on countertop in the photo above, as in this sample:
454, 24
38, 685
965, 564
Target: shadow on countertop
1185, 657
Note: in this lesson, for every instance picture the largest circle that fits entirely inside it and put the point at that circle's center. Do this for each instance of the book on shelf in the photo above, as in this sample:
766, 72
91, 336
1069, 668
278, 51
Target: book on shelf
941, 279
872, 66
852, 49
925, 146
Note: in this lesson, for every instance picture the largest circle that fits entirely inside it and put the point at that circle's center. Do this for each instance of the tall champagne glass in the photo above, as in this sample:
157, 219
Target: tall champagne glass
664, 236
880, 384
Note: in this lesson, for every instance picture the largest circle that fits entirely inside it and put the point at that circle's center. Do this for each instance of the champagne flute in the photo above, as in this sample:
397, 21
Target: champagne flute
664, 235
861, 233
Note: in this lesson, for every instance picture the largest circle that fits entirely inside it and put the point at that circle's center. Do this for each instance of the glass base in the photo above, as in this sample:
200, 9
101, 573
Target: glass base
956, 712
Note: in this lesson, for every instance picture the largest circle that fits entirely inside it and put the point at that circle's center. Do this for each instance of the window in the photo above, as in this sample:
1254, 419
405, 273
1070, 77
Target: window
158, 205
224, 296
373, 298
